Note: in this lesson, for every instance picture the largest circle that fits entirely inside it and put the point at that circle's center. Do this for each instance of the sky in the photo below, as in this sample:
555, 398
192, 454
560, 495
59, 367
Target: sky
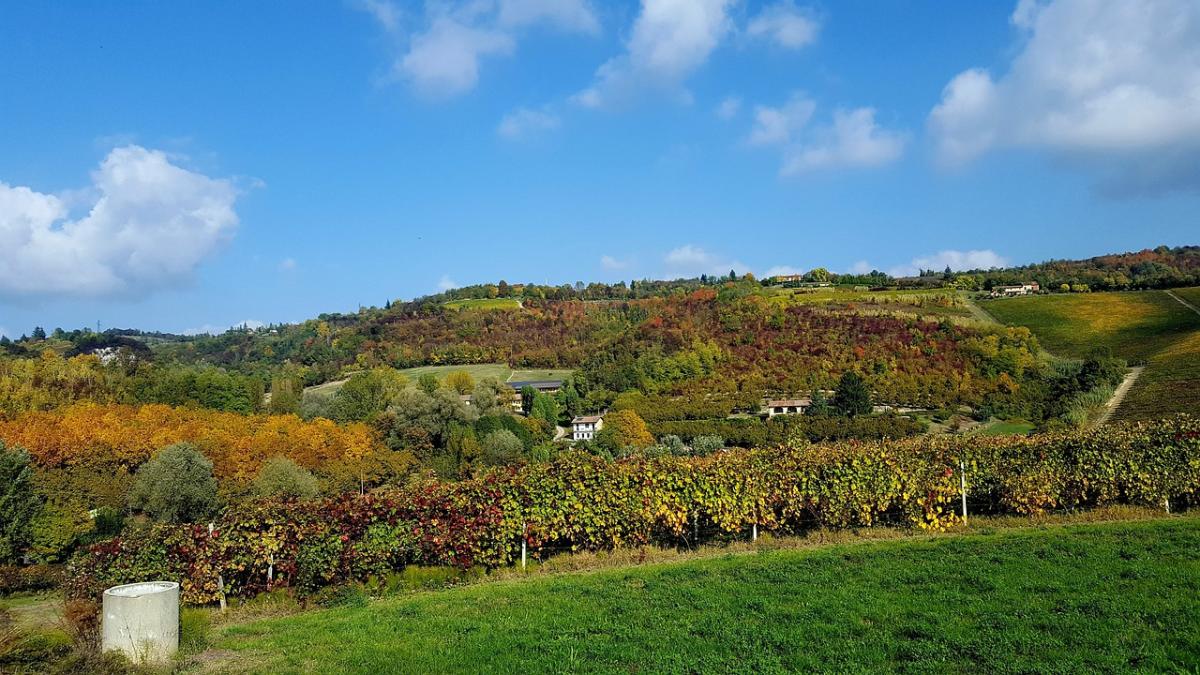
188, 167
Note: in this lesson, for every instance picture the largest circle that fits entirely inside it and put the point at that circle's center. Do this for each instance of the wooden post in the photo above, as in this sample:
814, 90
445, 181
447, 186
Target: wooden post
962, 477
220, 577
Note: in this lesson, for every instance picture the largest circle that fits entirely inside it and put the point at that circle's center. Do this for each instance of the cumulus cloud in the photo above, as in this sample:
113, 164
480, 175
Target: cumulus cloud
446, 283
956, 260
1110, 84
784, 24
524, 122
692, 260
861, 267
729, 107
610, 263
670, 40
852, 140
443, 55
781, 125
149, 225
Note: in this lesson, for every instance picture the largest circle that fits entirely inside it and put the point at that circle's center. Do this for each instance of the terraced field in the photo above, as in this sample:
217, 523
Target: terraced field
1145, 327
477, 371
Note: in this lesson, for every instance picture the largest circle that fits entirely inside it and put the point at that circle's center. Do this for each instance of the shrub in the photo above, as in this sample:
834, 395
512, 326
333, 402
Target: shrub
176, 486
19, 504
22, 579
501, 448
283, 478
707, 444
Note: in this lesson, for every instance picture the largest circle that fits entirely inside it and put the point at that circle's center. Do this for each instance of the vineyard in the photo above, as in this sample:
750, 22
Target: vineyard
585, 503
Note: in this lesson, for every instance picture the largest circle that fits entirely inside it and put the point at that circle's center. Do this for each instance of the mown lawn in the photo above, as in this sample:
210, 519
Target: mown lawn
1135, 325
1007, 428
484, 303
1081, 598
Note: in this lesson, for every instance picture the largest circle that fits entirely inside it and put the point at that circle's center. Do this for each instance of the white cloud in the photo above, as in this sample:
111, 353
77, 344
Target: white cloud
443, 55
1111, 84
444, 60
955, 260
524, 122
670, 40
150, 225
610, 263
784, 24
777, 126
861, 267
854, 141
386, 13
782, 271
691, 260
446, 283
287, 264
568, 15
729, 107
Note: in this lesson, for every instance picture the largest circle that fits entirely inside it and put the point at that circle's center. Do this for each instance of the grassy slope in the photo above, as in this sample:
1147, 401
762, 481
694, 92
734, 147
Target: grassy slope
485, 303
1143, 327
1081, 598
477, 371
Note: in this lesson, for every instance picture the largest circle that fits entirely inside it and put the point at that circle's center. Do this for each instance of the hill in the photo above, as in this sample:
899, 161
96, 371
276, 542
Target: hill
1150, 328
1085, 598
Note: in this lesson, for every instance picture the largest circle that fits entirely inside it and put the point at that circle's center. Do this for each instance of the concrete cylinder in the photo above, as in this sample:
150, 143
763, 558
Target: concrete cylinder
142, 621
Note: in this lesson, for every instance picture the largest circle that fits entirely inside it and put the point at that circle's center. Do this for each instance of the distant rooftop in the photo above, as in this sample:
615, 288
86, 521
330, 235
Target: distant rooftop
537, 384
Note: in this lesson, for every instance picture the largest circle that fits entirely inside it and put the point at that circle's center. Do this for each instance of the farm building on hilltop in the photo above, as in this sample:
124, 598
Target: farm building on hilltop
584, 427
542, 387
1027, 288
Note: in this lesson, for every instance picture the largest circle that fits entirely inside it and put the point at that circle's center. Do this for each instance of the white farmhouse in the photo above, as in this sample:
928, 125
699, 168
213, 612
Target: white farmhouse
584, 428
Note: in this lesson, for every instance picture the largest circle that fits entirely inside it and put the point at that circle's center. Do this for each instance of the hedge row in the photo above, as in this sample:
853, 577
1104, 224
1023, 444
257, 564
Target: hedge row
582, 502
752, 432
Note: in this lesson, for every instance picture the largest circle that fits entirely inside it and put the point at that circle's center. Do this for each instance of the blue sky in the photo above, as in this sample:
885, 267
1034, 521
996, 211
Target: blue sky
183, 166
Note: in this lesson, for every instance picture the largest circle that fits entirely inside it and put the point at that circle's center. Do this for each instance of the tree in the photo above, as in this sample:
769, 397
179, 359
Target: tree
281, 477
19, 503
820, 405
39, 333
624, 430
818, 274
492, 397
528, 393
545, 408
367, 394
176, 486
852, 396
707, 444
460, 381
428, 383
287, 392
501, 448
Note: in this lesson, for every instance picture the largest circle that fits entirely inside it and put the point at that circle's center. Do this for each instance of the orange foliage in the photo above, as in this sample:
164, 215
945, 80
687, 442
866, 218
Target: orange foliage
88, 434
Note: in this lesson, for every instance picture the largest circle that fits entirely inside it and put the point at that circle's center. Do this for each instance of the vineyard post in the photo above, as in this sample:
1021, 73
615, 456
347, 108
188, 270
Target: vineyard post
220, 577
696, 528
962, 478
754, 533
524, 538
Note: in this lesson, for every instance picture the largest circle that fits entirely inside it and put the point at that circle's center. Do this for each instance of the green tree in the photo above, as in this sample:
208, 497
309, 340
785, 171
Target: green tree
281, 477
460, 381
501, 448
707, 444
428, 383
19, 502
528, 393
367, 394
852, 396
287, 392
545, 408
176, 486
492, 397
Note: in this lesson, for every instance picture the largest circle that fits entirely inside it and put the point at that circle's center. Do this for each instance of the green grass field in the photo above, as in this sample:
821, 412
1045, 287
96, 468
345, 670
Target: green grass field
921, 302
485, 303
1192, 295
1080, 598
1007, 428
1147, 327
477, 371
1135, 325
